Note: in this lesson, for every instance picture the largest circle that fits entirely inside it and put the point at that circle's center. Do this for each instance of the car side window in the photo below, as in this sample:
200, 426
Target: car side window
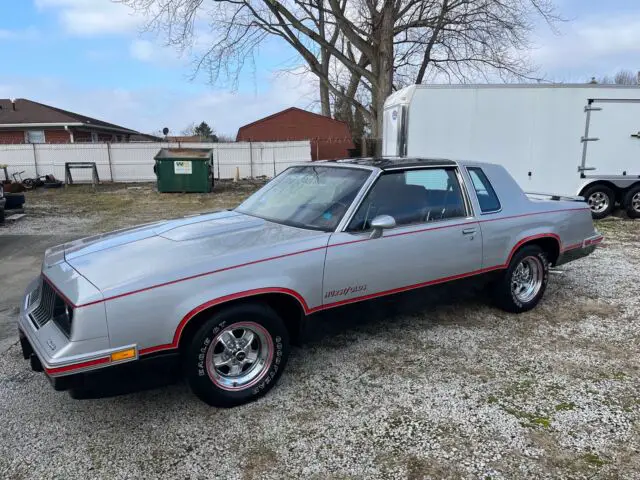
412, 196
487, 197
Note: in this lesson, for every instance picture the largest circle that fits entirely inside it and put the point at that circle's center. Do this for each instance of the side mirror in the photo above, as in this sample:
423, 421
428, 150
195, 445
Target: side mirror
381, 222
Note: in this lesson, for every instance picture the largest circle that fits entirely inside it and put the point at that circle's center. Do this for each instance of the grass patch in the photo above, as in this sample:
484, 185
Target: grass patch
565, 406
530, 420
593, 459
519, 388
118, 205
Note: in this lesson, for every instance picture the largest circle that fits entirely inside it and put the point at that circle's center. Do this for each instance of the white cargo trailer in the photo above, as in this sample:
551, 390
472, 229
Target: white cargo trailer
561, 139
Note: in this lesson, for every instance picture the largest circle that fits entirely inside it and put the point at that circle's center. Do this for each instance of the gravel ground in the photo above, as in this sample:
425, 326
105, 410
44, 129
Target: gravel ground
453, 389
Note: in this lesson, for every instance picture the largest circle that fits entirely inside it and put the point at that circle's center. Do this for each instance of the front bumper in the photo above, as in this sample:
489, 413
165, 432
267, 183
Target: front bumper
49, 349
59, 383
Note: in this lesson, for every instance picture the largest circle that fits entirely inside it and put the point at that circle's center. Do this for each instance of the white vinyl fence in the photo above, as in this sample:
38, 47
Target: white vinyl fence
133, 162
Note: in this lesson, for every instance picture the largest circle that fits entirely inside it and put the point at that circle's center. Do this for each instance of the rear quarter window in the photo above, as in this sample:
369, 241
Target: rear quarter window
487, 197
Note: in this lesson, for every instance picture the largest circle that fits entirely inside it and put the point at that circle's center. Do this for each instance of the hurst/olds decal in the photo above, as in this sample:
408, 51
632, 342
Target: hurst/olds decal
343, 292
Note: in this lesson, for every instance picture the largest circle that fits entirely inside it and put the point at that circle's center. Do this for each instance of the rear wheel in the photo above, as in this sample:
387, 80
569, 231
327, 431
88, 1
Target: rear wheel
523, 283
632, 202
601, 200
237, 355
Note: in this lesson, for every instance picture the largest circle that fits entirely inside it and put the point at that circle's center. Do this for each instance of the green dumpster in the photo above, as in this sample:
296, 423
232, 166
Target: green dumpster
184, 170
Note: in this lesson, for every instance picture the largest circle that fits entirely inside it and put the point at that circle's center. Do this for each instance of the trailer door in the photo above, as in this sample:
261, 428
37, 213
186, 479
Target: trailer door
393, 131
611, 144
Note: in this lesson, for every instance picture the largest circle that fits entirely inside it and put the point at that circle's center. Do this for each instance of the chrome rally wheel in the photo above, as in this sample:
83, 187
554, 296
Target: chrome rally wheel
521, 286
527, 278
238, 357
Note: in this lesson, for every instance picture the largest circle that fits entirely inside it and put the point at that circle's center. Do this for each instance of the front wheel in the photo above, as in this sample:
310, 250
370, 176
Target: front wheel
523, 283
237, 355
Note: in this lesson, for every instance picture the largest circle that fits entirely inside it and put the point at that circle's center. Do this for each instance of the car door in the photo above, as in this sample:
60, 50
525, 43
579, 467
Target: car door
436, 237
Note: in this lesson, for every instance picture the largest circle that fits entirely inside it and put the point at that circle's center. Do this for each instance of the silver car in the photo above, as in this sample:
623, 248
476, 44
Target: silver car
226, 292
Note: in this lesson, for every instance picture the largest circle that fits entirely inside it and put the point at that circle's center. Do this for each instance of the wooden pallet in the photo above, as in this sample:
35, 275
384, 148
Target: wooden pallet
68, 179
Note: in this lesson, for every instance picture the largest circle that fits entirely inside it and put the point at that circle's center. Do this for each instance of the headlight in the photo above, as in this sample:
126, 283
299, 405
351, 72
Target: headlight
63, 315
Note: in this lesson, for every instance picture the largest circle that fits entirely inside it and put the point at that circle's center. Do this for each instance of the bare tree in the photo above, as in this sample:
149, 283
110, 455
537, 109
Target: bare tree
189, 130
373, 46
224, 138
623, 77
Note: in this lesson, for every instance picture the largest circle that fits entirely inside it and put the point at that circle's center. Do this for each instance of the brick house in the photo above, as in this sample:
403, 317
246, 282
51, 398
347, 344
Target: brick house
26, 121
330, 139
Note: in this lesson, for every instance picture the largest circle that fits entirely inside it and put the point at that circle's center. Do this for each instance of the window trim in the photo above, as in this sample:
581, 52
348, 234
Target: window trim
468, 206
475, 191
30, 130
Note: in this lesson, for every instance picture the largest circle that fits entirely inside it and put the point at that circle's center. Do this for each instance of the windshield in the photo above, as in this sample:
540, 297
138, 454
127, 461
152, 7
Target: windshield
315, 197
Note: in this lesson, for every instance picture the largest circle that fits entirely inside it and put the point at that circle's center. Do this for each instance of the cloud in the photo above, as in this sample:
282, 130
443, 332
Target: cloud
93, 17
143, 50
29, 33
150, 52
594, 45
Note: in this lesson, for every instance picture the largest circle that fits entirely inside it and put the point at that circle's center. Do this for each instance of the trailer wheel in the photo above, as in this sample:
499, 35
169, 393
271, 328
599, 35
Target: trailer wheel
601, 200
632, 202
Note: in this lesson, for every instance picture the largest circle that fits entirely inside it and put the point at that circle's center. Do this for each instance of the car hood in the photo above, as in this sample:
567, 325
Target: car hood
161, 252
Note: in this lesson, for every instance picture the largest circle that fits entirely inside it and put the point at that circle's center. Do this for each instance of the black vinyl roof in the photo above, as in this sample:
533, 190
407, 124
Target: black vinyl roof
386, 163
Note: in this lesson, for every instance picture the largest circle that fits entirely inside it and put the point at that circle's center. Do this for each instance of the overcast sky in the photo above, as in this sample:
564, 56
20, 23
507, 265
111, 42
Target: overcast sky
89, 56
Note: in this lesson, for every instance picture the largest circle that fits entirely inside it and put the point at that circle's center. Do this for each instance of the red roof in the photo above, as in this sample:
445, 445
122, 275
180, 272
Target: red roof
290, 109
339, 125
329, 138
23, 111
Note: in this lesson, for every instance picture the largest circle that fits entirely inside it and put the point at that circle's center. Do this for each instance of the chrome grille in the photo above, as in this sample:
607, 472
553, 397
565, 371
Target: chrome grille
44, 310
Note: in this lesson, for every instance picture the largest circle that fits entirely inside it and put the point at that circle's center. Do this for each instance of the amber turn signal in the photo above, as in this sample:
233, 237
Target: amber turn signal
123, 355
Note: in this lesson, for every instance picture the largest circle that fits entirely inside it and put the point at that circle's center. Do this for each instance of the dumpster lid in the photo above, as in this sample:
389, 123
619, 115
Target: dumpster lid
185, 153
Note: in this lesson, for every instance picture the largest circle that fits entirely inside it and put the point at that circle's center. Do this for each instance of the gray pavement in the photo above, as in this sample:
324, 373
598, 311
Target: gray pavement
20, 260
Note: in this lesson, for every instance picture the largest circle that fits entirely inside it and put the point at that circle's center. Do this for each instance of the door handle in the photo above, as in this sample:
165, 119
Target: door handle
468, 231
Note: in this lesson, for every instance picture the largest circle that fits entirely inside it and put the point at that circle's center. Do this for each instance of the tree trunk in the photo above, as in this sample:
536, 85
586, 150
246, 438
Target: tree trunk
382, 66
325, 101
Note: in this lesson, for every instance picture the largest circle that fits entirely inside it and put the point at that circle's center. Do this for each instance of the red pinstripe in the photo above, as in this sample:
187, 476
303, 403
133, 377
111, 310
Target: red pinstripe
176, 339
594, 241
199, 275
77, 366
216, 301
403, 289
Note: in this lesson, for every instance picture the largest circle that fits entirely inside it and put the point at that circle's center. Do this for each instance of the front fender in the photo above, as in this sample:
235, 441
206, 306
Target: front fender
154, 318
